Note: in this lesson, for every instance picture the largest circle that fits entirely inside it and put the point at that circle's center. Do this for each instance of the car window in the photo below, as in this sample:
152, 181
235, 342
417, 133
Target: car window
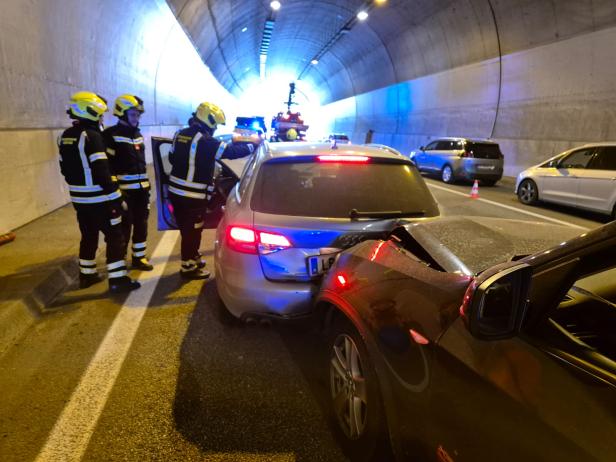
447, 145
431, 146
577, 159
605, 159
307, 188
587, 314
247, 173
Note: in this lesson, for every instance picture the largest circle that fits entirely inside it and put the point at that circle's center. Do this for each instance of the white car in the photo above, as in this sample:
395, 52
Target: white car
583, 177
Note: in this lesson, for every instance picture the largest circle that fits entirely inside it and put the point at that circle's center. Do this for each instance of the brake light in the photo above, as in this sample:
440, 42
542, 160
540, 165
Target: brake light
247, 240
339, 158
242, 239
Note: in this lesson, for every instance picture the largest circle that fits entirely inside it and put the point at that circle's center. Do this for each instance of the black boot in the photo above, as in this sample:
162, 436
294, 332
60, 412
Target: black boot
141, 263
122, 284
87, 280
195, 273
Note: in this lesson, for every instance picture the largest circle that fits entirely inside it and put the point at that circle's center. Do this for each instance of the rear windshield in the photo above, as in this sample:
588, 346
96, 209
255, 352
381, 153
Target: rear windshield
483, 150
332, 190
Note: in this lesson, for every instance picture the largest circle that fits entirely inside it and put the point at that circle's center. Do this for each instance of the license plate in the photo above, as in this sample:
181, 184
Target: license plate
319, 264
485, 167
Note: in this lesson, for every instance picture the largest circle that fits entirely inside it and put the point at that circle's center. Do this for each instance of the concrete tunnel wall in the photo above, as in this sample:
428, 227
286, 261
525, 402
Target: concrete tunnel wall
50, 49
556, 88
538, 76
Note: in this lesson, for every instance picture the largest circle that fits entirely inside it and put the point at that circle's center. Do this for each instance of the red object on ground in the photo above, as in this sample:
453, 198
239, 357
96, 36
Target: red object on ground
475, 190
6, 238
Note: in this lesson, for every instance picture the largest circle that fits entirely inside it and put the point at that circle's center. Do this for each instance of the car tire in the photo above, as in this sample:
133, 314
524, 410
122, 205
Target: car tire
447, 174
360, 428
528, 193
488, 182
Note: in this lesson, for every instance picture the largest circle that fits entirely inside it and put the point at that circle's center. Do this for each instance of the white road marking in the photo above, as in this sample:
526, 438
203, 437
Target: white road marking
509, 207
71, 434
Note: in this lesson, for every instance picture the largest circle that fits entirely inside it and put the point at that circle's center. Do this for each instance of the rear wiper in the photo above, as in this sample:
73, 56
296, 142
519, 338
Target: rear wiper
355, 214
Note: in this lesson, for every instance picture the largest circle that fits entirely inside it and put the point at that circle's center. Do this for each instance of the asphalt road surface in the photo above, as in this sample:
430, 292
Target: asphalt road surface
165, 374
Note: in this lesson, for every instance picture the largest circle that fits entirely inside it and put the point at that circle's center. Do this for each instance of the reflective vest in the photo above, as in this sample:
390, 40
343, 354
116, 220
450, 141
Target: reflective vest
193, 158
84, 164
126, 151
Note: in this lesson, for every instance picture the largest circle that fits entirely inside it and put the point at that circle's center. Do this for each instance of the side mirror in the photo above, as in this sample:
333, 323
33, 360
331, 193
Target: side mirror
422, 148
495, 308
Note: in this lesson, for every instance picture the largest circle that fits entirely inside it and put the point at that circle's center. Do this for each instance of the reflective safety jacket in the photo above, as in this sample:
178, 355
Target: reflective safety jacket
84, 164
126, 153
193, 157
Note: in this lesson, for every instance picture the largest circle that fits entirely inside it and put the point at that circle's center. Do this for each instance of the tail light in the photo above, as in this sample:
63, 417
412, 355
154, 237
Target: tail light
247, 240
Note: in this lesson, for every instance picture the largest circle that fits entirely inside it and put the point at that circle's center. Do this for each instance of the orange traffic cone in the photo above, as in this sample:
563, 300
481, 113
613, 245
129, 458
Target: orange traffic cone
475, 190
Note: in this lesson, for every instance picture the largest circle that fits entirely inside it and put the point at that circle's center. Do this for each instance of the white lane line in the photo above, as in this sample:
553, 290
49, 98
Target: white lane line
509, 207
71, 434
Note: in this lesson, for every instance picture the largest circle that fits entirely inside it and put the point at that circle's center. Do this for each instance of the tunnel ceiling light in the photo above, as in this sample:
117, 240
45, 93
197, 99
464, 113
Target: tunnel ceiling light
380, 2
244, 29
314, 62
275, 5
362, 15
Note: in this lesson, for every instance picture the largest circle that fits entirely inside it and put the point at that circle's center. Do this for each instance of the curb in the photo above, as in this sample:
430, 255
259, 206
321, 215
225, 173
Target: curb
18, 316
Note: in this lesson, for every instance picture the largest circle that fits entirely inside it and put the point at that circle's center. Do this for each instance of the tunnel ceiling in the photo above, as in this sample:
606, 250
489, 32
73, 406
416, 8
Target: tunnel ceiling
401, 40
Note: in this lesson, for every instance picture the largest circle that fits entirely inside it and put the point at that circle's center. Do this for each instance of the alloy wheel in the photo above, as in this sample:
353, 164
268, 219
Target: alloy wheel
447, 174
527, 192
348, 387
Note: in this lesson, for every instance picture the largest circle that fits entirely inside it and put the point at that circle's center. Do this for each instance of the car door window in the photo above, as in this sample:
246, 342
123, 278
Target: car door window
605, 159
247, 174
577, 159
431, 146
446, 146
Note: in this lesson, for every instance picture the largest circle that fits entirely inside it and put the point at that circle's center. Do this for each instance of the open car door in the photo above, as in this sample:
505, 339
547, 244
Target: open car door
226, 175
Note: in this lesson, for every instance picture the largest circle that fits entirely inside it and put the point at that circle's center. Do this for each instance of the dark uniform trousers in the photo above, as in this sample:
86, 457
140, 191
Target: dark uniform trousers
94, 219
189, 214
135, 220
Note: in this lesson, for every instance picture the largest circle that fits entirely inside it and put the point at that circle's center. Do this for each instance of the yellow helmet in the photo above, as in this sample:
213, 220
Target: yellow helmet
291, 134
210, 114
87, 105
125, 102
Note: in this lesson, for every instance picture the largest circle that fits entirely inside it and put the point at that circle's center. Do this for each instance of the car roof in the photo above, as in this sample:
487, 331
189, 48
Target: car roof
599, 143
294, 149
472, 140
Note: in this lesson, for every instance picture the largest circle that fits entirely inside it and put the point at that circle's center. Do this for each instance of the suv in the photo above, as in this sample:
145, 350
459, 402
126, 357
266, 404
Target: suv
461, 159
296, 206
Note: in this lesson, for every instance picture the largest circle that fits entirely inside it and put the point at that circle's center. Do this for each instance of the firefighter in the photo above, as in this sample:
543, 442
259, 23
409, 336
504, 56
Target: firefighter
191, 182
95, 196
126, 153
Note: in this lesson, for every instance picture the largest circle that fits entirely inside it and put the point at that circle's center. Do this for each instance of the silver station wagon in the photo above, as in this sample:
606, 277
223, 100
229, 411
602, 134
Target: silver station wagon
583, 177
454, 159
296, 206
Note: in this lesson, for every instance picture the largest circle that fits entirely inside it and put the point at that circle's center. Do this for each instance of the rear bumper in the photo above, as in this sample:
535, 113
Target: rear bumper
244, 289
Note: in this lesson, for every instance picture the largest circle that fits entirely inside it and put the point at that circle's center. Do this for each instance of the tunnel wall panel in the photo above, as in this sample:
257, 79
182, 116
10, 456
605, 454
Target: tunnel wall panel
47, 53
554, 97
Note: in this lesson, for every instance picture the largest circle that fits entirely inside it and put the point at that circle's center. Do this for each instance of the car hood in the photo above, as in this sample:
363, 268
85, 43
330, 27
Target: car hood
470, 245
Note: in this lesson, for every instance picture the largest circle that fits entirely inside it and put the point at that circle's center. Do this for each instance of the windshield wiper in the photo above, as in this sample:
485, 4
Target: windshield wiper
355, 214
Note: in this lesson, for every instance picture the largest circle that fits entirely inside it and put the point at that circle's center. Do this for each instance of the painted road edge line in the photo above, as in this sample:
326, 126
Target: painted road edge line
71, 433
509, 207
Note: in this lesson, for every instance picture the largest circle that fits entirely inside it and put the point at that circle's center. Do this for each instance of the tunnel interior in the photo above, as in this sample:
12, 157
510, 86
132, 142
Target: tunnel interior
537, 76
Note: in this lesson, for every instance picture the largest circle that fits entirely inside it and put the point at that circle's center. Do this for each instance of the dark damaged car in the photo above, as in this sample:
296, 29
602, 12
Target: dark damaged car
455, 340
